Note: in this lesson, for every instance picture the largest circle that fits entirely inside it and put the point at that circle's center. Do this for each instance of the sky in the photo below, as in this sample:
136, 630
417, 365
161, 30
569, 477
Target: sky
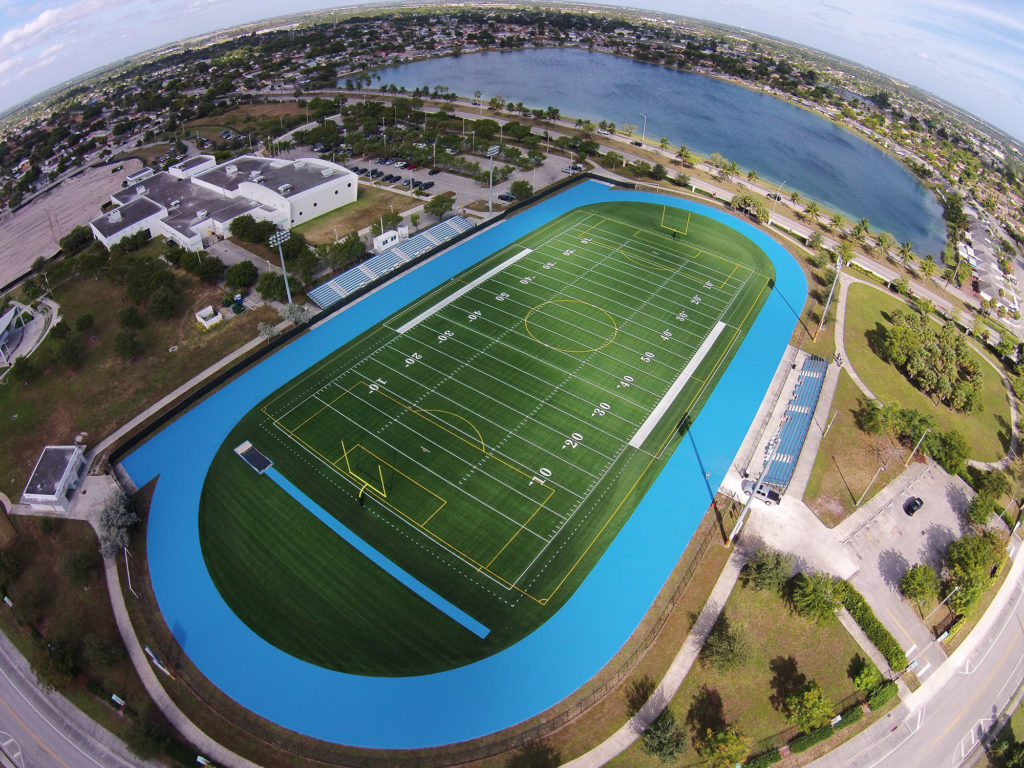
969, 52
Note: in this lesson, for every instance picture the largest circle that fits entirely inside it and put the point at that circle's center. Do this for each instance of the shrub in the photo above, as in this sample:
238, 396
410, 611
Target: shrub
809, 709
815, 597
763, 761
807, 740
241, 275
882, 695
882, 639
662, 738
920, 583
271, 286
769, 570
850, 716
725, 648
981, 509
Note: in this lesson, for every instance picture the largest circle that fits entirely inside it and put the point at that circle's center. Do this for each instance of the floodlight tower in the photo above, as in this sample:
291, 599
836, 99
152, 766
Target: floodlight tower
778, 196
643, 135
276, 239
491, 152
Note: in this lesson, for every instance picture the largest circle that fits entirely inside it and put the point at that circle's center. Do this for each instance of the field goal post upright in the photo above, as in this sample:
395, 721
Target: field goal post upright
673, 230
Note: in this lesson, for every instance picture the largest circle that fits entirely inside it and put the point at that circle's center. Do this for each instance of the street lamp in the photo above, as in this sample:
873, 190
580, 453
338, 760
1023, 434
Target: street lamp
276, 239
643, 135
778, 196
491, 152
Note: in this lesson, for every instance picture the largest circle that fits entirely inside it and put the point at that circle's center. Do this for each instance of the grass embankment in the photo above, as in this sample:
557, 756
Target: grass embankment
59, 594
987, 431
263, 120
751, 695
847, 459
357, 215
105, 391
145, 154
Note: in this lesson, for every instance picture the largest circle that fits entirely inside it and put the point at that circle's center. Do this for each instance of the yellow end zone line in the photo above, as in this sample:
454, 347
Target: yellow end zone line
383, 496
657, 454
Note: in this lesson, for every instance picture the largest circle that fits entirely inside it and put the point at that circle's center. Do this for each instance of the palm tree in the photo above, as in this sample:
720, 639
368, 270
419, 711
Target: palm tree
813, 211
844, 250
664, 142
815, 240
885, 242
907, 252
865, 226
751, 175
795, 197
929, 268
837, 221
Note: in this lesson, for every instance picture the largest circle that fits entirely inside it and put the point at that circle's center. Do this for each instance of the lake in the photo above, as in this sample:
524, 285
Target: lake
782, 142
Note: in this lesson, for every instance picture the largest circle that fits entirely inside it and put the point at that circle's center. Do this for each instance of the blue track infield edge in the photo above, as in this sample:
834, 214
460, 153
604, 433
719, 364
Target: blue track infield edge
541, 669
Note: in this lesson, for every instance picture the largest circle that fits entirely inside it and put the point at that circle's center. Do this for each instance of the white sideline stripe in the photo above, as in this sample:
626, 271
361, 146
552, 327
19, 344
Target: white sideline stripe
677, 386
462, 291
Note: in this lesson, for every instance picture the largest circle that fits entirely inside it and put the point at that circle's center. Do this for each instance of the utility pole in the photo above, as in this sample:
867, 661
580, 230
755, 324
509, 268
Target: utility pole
643, 135
832, 290
491, 152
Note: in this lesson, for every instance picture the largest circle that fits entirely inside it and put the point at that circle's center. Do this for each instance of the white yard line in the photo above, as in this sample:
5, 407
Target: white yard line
677, 386
463, 291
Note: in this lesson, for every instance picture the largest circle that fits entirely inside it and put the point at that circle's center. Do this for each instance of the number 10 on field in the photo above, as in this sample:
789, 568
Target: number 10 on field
544, 473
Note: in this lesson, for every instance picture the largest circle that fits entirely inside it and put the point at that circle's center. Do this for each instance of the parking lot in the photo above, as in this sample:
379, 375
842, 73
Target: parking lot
886, 541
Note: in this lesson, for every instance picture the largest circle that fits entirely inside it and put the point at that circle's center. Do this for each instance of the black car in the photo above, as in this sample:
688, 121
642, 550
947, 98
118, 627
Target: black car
506, 198
912, 505
434, 171
426, 185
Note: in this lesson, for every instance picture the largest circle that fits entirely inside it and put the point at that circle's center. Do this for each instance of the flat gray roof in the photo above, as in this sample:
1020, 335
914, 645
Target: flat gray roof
131, 213
301, 175
50, 468
192, 162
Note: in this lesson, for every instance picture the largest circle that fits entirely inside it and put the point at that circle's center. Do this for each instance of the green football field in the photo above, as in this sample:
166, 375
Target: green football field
490, 440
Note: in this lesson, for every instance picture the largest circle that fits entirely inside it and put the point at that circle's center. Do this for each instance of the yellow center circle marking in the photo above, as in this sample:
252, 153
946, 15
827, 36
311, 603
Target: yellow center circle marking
582, 307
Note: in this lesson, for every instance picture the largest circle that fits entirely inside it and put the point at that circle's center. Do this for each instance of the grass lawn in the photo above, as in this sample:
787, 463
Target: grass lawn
784, 653
259, 119
359, 214
145, 154
515, 447
987, 432
847, 459
105, 391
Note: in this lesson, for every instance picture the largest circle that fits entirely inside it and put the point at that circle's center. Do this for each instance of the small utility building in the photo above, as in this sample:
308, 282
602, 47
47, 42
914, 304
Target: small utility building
54, 478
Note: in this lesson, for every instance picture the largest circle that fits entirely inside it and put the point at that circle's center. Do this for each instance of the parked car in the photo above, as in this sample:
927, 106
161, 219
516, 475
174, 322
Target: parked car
434, 171
426, 185
764, 492
912, 505
407, 183
637, 143
506, 198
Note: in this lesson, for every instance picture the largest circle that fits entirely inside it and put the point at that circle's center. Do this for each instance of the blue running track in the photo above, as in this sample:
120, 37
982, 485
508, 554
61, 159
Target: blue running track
524, 679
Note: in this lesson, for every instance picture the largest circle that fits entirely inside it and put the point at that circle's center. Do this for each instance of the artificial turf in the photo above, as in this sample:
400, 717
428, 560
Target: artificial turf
490, 440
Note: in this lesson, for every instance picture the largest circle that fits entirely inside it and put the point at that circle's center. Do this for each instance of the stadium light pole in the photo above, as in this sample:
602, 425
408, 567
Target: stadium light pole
276, 239
643, 135
770, 450
491, 152
832, 290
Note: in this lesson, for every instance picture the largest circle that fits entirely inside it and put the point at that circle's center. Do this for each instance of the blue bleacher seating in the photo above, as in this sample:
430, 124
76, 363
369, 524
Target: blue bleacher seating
334, 290
798, 420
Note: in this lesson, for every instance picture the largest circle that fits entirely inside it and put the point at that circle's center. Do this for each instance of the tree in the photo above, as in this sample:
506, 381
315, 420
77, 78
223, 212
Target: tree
100, 652
388, 221
970, 560
414, 219
663, 738
271, 286
725, 748
266, 330
614, 159
54, 664
981, 509
809, 709
126, 344
769, 570
907, 252
521, 189
439, 205
816, 597
163, 303
658, 172
76, 240
725, 647
241, 275
815, 240
116, 518
813, 210
752, 175
920, 583
85, 323
682, 179
836, 222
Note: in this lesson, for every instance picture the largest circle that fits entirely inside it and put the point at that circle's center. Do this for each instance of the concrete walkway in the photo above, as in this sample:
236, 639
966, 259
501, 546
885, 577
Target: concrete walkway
845, 281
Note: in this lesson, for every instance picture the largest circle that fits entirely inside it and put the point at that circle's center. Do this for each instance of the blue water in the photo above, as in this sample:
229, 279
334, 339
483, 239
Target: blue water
524, 679
782, 142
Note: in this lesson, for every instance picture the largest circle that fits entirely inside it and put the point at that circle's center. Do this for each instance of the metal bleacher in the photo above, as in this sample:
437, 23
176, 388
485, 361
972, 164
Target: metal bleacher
353, 279
797, 422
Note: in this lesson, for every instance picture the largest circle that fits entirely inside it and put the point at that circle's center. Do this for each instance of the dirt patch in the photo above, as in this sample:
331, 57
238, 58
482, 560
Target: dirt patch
34, 231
